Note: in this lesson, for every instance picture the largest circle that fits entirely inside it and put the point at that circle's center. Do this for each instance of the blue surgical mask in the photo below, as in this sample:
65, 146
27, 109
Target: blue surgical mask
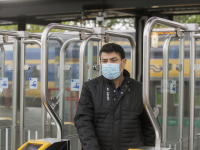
111, 70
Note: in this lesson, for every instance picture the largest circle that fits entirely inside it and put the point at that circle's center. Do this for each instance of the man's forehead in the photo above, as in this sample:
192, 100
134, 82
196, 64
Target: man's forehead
109, 55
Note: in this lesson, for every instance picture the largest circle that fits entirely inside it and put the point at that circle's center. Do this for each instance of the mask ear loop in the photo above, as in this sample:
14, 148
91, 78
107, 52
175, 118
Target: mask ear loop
122, 68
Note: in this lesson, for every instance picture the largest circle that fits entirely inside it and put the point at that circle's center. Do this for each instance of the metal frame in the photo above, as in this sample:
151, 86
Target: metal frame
193, 37
146, 70
44, 62
15, 92
61, 80
44, 69
22, 86
181, 89
82, 60
165, 87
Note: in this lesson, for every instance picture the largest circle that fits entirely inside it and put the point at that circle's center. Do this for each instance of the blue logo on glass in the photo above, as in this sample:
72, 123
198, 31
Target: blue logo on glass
76, 86
34, 84
4, 83
174, 87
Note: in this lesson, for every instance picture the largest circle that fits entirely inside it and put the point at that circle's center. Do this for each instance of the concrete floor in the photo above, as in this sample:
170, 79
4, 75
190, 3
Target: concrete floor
33, 122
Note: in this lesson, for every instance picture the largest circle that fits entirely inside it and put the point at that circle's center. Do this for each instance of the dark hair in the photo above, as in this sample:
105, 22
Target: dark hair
112, 47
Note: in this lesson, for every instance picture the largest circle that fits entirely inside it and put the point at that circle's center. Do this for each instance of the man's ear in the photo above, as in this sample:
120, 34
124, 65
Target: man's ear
124, 62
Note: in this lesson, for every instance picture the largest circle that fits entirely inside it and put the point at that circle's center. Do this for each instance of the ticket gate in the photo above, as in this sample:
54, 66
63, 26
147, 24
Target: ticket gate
170, 83
12, 128
89, 65
21, 40
170, 72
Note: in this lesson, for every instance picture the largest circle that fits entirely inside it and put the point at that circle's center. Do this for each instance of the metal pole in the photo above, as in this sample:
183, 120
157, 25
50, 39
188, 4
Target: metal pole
133, 51
165, 88
90, 60
181, 89
44, 70
22, 92
146, 71
2, 61
98, 57
192, 90
7, 139
139, 42
15, 93
62, 77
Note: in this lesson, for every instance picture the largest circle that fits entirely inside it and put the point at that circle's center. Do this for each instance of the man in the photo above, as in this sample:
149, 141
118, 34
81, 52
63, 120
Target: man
110, 114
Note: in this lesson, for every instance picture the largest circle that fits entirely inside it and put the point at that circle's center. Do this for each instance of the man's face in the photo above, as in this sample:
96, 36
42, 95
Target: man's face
112, 58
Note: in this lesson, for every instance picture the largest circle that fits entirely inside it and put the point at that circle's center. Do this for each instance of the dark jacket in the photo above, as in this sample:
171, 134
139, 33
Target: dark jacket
106, 124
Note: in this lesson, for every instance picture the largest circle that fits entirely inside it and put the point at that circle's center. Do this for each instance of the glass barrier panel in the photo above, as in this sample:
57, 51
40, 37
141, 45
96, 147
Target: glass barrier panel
6, 76
71, 83
32, 101
164, 92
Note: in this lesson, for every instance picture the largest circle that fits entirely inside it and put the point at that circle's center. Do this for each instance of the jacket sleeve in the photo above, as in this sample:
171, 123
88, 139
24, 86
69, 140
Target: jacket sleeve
84, 121
147, 129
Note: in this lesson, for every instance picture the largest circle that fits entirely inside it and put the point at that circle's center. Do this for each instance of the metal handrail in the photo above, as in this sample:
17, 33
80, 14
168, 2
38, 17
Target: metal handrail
22, 91
146, 70
62, 76
38, 36
133, 51
82, 60
181, 87
10, 33
15, 84
44, 69
193, 37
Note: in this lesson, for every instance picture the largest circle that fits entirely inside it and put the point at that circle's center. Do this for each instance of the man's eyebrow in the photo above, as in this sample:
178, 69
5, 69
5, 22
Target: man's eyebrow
109, 58
113, 58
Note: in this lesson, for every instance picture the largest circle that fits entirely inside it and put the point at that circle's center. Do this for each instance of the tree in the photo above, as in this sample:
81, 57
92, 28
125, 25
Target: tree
9, 27
187, 19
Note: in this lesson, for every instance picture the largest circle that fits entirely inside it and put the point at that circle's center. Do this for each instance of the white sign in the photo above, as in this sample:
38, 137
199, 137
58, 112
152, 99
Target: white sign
4, 83
74, 84
33, 83
154, 40
172, 87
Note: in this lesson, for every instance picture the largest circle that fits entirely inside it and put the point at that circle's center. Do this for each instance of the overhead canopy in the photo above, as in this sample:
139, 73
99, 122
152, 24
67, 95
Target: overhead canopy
43, 12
